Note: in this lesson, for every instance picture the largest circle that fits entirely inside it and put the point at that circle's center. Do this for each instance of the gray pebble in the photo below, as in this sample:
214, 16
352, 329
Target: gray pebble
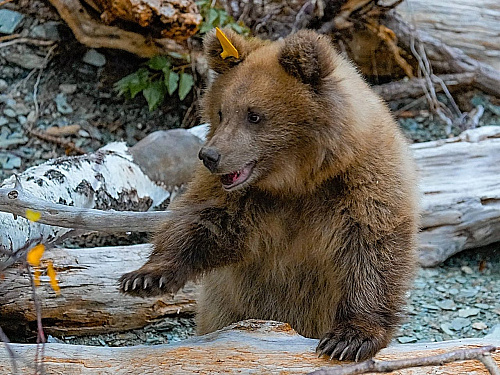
479, 326
94, 58
460, 323
467, 270
9, 20
9, 112
3, 85
68, 88
22, 119
406, 339
430, 307
446, 328
483, 306
453, 291
62, 105
464, 313
447, 304
3, 120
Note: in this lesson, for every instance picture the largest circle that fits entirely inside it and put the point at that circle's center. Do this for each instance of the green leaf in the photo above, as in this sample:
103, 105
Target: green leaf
186, 82
139, 82
223, 17
154, 94
236, 28
159, 63
172, 82
212, 16
205, 28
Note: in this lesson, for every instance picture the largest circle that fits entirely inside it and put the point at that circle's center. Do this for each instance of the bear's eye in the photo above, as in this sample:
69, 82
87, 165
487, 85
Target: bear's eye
220, 116
253, 117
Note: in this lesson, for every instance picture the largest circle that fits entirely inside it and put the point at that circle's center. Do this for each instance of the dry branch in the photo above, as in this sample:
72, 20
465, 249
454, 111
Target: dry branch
246, 347
81, 192
472, 26
445, 58
16, 201
482, 354
414, 87
459, 180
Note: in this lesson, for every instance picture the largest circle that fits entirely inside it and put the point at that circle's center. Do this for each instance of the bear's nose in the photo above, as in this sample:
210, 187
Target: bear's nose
210, 157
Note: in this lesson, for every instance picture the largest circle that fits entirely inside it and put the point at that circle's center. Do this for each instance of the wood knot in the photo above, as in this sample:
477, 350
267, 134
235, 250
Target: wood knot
13, 194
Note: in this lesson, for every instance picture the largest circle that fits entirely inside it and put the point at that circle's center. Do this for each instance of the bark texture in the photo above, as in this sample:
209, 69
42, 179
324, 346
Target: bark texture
89, 302
250, 346
472, 26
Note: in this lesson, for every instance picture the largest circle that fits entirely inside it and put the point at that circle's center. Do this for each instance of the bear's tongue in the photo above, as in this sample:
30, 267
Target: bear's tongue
235, 178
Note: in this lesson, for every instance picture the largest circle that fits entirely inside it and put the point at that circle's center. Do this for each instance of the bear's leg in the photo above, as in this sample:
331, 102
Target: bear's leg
195, 239
374, 276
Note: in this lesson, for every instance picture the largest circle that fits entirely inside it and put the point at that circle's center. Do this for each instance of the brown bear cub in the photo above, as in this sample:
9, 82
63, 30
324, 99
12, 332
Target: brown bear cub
306, 212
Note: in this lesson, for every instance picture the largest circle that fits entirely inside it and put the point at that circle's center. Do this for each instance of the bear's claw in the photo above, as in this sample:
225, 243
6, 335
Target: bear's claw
145, 283
351, 344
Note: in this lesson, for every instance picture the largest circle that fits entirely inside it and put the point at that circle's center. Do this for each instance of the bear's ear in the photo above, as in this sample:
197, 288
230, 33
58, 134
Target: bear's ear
213, 49
307, 56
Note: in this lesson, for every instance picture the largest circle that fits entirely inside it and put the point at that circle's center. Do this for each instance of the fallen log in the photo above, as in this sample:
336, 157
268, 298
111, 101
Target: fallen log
250, 346
442, 57
459, 180
112, 178
472, 26
95, 34
90, 302
414, 88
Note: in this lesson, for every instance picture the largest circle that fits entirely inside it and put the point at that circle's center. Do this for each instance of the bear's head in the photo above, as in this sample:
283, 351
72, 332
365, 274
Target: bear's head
277, 113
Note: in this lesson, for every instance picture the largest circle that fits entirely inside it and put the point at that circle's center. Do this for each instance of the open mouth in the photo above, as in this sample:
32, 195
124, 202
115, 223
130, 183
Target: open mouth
233, 179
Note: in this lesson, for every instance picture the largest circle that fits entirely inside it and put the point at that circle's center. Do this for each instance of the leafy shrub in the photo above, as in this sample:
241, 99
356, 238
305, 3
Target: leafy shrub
158, 77
162, 75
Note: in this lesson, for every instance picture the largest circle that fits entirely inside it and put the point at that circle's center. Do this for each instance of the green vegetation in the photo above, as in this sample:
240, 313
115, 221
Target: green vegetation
162, 75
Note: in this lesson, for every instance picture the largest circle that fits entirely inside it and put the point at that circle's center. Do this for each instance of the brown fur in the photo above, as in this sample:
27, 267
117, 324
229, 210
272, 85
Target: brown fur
322, 234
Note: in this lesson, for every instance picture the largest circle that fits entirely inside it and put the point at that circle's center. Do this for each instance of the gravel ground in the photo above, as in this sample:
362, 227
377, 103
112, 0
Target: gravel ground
461, 298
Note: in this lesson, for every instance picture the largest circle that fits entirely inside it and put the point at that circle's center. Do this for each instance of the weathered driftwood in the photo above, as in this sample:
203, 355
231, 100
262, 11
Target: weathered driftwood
246, 347
460, 182
444, 58
472, 26
89, 302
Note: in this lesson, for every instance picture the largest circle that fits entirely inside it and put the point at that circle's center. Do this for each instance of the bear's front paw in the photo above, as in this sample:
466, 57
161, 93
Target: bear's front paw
350, 343
146, 282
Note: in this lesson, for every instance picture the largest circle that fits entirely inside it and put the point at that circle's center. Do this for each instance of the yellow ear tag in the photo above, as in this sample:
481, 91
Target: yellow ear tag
228, 49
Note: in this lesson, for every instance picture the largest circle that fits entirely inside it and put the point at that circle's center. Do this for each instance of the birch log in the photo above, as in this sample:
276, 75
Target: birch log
472, 26
106, 179
114, 177
90, 302
261, 347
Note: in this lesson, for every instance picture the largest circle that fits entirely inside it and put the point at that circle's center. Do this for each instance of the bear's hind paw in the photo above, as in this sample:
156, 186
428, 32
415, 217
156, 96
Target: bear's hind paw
347, 343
